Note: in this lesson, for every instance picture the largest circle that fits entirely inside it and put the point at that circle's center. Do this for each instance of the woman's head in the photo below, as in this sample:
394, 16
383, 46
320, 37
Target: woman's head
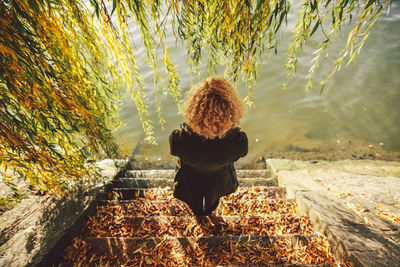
212, 107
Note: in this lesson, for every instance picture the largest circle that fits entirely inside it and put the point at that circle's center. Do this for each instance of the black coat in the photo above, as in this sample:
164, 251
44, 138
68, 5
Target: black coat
205, 170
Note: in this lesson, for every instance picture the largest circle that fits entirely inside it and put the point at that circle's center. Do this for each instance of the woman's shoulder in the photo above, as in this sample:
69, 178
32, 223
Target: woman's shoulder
236, 134
183, 133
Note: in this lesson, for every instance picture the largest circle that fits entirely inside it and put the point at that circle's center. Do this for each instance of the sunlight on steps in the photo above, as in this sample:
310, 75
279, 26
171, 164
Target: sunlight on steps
139, 222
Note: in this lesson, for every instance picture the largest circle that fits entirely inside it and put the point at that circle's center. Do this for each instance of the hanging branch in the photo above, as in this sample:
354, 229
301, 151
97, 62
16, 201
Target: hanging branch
65, 66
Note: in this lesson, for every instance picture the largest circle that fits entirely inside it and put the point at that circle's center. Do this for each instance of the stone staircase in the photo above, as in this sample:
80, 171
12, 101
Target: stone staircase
139, 222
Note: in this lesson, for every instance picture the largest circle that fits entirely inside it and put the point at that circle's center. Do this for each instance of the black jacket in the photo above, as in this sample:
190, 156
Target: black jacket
205, 166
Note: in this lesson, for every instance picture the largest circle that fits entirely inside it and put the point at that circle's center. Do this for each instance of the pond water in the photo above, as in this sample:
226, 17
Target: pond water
361, 103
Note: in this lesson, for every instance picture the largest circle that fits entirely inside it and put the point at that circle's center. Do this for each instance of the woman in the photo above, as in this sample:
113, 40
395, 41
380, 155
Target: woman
208, 144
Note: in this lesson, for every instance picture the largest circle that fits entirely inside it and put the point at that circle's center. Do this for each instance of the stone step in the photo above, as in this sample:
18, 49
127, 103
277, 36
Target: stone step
179, 226
245, 192
169, 182
131, 244
284, 265
171, 173
215, 250
174, 207
143, 224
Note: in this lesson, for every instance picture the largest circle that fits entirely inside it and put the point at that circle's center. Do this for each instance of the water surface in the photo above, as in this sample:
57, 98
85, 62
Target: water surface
359, 104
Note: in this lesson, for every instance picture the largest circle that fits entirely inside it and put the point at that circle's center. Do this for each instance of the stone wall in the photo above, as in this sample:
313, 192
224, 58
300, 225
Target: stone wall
41, 224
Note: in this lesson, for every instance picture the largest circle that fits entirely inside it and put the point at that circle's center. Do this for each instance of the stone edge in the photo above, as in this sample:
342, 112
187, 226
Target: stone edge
340, 247
47, 223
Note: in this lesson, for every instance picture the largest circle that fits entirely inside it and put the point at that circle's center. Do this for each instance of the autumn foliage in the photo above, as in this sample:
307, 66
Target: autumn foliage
54, 97
65, 66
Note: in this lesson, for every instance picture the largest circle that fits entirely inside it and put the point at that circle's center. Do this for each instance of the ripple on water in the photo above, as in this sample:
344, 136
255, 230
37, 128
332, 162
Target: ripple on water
360, 102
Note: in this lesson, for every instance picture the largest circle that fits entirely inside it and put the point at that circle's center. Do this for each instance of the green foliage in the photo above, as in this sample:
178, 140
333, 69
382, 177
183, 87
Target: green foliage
65, 66
55, 99
329, 17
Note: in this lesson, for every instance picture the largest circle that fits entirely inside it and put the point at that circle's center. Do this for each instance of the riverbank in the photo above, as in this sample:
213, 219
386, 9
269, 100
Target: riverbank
304, 150
336, 150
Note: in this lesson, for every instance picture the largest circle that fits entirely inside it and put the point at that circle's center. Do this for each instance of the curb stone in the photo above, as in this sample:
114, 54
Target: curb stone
350, 237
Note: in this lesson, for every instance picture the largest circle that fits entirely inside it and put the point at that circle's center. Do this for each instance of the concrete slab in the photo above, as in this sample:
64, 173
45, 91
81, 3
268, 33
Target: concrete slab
362, 167
352, 238
38, 230
30, 230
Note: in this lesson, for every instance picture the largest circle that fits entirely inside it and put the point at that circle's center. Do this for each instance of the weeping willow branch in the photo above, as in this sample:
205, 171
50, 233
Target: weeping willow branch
65, 66
330, 17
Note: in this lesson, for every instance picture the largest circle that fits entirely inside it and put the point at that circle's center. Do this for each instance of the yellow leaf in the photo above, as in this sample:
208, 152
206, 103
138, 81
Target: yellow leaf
176, 7
6, 50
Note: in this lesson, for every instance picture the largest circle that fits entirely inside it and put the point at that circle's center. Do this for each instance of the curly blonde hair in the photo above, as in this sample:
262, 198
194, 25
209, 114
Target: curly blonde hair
212, 107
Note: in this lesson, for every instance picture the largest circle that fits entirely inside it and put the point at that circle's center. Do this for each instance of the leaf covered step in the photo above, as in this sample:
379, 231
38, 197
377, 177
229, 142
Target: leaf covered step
171, 173
246, 192
204, 251
176, 207
161, 226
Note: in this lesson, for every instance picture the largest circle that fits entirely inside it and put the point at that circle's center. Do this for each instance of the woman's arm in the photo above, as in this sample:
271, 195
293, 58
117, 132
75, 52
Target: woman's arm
173, 141
244, 144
